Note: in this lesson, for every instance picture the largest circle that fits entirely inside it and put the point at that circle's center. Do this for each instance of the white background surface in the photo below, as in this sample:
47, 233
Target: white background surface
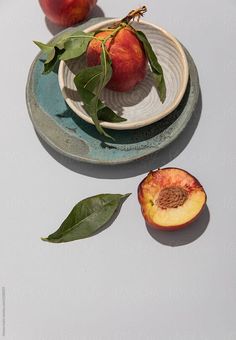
123, 283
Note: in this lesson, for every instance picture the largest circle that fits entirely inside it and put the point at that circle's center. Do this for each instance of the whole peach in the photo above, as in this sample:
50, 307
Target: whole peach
67, 12
129, 62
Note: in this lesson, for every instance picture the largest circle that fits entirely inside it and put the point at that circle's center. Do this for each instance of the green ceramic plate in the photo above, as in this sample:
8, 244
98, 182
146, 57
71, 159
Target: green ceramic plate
68, 134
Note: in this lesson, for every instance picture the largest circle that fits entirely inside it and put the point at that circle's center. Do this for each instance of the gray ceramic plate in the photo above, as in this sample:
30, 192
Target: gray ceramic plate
68, 134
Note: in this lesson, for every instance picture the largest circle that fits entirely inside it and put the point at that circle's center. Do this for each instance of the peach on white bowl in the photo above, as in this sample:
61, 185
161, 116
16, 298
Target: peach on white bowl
141, 106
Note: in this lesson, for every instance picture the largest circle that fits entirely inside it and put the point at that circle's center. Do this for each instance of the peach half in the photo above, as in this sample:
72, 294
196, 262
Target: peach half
171, 198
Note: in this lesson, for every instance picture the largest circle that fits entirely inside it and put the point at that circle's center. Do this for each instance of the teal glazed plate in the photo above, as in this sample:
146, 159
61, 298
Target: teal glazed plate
73, 137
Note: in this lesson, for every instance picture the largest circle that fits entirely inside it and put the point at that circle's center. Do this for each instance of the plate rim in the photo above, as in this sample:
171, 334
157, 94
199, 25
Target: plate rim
137, 124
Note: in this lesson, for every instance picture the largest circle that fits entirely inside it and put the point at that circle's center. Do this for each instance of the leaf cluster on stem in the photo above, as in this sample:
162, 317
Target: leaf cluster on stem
90, 81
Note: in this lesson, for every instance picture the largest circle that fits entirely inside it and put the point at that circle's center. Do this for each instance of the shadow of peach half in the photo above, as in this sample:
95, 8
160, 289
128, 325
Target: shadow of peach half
171, 198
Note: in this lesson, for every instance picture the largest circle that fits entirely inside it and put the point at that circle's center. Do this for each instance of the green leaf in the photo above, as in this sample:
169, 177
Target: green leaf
102, 79
99, 82
86, 82
156, 68
53, 53
47, 49
108, 115
68, 46
106, 68
88, 78
76, 46
64, 37
61, 39
87, 217
50, 64
88, 98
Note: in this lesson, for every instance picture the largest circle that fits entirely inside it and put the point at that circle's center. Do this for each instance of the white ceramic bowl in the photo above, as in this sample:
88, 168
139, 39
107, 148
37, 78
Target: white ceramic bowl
142, 105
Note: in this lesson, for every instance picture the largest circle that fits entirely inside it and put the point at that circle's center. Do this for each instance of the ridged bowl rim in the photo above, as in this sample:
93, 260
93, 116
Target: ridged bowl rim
141, 123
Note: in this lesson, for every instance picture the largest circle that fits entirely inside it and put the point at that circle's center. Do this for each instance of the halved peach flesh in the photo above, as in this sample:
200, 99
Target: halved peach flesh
171, 198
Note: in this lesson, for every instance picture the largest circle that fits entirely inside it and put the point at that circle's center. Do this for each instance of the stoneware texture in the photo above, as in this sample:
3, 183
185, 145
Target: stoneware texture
141, 106
70, 135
